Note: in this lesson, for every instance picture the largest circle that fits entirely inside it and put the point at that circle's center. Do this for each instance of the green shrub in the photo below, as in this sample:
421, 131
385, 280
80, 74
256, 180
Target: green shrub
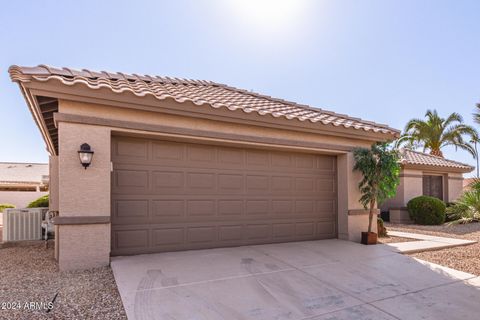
381, 230
41, 202
467, 208
4, 206
451, 214
426, 210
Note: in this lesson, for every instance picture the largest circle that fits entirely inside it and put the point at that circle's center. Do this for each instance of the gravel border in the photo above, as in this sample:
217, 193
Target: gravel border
464, 258
30, 274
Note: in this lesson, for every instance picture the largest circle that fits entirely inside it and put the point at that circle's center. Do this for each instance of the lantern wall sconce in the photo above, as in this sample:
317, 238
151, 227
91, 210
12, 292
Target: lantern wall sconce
85, 154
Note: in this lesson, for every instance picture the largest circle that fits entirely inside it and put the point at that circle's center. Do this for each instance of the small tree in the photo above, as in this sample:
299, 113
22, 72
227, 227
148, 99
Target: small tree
380, 170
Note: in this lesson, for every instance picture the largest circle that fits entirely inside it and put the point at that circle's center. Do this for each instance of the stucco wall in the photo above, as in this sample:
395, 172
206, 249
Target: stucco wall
84, 246
20, 199
413, 185
350, 226
53, 183
455, 186
145, 117
83, 193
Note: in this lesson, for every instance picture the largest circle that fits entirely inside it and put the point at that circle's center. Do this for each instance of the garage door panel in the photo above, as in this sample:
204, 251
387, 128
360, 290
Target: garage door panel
305, 161
305, 229
282, 206
326, 228
201, 182
257, 159
167, 208
283, 230
176, 196
231, 158
131, 180
167, 181
326, 164
162, 237
131, 209
231, 183
258, 231
132, 150
202, 234
281, 160
166, 152
201, 208
229, 233
257, 207
200, 153
233, 208
128, 239
257, 183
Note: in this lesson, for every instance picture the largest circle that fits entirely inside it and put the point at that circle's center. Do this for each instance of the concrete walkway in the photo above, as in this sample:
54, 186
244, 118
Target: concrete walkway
314, 280
425, 242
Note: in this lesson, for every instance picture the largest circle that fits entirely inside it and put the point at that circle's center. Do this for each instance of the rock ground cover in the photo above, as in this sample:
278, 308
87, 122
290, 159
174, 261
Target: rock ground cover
30, 274
464, 258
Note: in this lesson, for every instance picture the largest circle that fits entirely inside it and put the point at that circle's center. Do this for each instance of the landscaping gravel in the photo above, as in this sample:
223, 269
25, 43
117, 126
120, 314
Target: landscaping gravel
30, 274
464, 258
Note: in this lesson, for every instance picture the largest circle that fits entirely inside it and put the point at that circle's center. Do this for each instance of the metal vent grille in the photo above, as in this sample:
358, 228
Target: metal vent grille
23, 224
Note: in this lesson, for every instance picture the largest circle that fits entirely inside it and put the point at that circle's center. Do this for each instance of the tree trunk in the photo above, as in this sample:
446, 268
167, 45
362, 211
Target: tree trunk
436, 152
370, 215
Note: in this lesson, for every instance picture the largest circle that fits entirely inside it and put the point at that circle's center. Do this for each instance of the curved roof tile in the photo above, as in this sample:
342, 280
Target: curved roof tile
412, 157
199, 92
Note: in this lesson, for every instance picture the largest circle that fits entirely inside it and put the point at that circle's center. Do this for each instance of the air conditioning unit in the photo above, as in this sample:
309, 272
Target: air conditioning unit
23, 224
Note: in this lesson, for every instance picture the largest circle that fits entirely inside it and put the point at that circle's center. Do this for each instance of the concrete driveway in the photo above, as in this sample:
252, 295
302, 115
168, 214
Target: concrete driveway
317, 280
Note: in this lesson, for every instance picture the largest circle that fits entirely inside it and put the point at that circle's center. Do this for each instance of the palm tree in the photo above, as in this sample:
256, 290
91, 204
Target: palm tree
476, 115
435, 133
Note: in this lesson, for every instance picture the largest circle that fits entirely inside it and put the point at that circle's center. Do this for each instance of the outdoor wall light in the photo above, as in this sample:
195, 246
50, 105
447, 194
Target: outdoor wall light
86, 154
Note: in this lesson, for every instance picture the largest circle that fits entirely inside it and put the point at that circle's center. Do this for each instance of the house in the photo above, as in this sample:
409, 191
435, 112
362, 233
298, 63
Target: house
21, 183
186, 164
467, 182
425, 174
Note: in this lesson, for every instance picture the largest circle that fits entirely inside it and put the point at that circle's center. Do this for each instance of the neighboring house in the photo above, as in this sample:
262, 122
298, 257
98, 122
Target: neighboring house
186, 164
467, 182
425, 174
21, 183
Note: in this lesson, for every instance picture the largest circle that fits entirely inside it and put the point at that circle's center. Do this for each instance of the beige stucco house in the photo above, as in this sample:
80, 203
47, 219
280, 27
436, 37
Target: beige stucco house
185, 164
425, 174
21, 183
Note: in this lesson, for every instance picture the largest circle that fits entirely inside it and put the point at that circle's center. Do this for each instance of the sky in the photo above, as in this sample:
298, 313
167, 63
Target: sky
381, 60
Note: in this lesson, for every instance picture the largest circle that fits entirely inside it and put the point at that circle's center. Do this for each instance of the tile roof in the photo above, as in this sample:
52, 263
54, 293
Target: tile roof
23, 173
199, 92
411, 157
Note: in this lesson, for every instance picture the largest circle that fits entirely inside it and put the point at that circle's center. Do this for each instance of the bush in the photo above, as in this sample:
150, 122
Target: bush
41, 202
426, 210
381, 230
4, 206
467, 208
451, 213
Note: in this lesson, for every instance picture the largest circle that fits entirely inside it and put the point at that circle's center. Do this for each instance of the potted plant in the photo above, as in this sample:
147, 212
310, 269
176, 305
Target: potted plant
380, 169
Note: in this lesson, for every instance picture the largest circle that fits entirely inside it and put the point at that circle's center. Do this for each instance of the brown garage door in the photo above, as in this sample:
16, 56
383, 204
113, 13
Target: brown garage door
175, 196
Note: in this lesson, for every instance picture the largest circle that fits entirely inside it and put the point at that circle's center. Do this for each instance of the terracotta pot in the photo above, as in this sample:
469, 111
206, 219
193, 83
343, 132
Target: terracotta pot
369, 238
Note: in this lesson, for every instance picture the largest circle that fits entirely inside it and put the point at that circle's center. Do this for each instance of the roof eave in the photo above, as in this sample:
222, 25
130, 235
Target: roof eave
436, 168
36, 114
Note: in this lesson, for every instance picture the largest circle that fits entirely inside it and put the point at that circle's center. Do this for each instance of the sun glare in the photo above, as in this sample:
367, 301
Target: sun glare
269, 14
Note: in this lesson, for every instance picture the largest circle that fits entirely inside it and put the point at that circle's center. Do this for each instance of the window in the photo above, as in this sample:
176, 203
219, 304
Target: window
433, 186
